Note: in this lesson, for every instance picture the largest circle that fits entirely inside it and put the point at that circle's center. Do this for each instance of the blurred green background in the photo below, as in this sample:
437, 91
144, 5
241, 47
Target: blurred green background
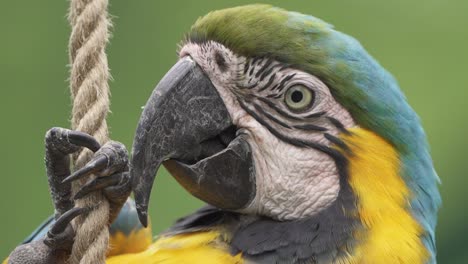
423, 43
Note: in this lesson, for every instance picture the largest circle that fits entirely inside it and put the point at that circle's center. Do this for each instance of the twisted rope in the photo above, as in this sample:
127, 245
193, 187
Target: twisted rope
90, 95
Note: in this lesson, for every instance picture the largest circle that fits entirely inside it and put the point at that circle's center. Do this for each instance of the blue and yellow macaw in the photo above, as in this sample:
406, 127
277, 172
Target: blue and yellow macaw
301, 144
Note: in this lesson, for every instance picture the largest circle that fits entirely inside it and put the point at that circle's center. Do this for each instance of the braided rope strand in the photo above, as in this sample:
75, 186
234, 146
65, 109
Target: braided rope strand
89, 87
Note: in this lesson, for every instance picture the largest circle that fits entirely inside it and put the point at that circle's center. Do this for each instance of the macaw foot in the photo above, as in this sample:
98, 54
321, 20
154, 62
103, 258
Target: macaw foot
109, 163
55, 247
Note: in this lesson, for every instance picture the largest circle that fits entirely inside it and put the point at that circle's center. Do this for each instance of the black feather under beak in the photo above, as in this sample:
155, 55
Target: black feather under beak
186, 125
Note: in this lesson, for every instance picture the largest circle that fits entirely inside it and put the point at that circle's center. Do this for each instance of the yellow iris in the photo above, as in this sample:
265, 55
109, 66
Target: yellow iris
298, 97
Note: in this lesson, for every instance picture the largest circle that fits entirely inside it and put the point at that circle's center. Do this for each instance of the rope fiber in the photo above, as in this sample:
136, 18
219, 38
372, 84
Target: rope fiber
89, 75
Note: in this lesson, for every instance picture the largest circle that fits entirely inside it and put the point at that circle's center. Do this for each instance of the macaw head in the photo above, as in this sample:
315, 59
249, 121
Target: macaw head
275, 113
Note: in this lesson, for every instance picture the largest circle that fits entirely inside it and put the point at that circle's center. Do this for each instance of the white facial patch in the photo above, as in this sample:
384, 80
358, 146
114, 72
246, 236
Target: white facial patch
292, 181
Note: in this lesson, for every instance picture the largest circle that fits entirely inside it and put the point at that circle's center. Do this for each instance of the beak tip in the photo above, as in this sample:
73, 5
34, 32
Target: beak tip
142, 211
142, 191
143, 219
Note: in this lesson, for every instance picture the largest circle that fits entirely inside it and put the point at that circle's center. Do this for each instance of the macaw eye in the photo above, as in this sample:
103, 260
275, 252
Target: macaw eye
298, 97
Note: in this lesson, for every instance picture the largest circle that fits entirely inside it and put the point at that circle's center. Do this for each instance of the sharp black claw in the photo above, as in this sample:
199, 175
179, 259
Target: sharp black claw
84, 140
93, 166
63, 221
97, 184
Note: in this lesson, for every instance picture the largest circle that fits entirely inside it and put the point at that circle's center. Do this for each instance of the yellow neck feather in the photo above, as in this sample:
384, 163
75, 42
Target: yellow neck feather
390, 233
193, 248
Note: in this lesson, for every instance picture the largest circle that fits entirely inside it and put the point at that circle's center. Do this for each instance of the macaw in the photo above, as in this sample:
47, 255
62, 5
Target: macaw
301, 144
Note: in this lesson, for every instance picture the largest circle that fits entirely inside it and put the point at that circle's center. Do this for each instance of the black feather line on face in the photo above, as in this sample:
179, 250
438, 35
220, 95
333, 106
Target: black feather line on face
310, 127
268, 72
246, 66
284, 67
278, 110
251, 65
249, 86
274, 96
254, 61
338, 125
274, 87
270, 116
315, 115
251, 71
282, 84
338, 142
306, 127
293, 141
264, 67
268, 84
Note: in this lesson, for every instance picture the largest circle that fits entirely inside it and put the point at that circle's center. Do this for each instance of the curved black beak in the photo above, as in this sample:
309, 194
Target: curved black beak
181, 125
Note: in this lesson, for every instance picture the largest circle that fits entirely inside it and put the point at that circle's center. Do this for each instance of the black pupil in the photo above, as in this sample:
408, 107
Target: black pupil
297, 96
